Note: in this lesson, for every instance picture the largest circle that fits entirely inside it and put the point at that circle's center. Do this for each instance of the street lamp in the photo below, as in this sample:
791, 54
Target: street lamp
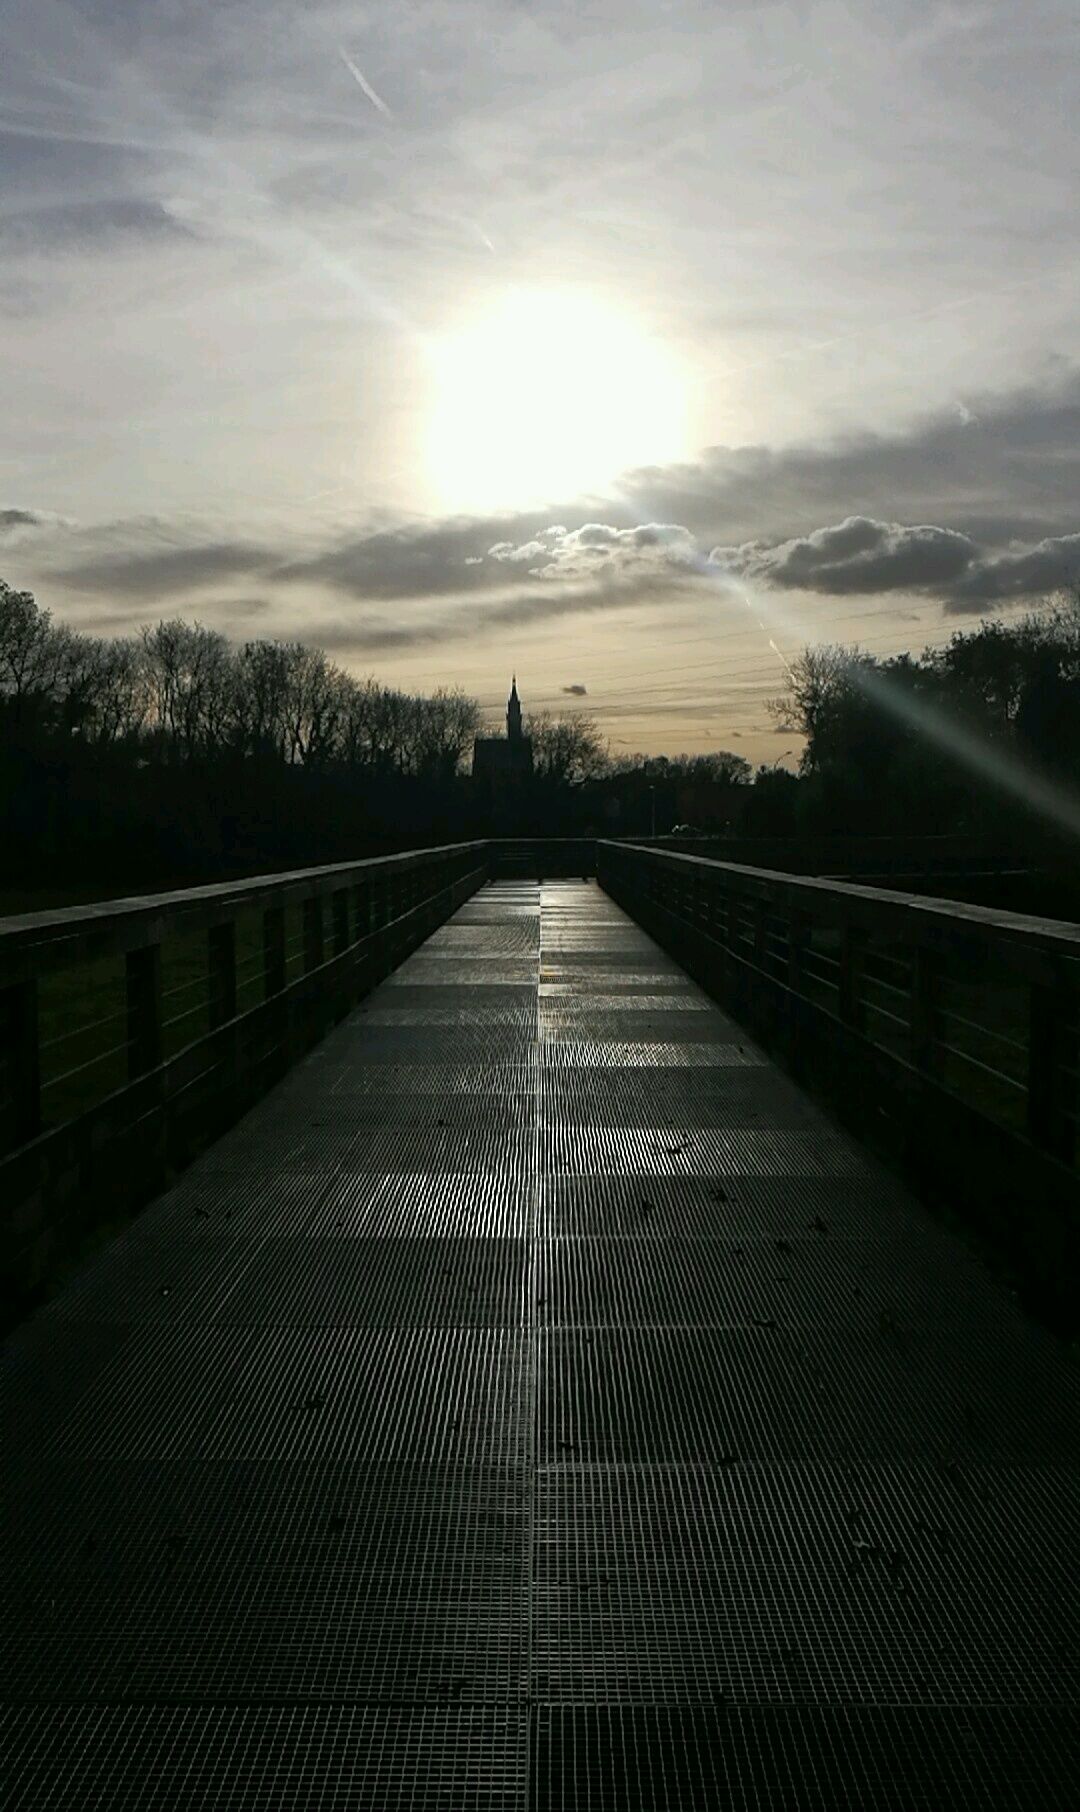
652, 802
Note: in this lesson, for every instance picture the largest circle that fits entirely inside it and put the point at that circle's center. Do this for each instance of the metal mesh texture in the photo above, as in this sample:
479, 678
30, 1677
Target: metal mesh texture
535, 1403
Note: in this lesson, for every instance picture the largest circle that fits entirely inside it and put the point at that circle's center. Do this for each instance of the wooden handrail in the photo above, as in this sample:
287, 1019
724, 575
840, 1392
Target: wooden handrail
70, 934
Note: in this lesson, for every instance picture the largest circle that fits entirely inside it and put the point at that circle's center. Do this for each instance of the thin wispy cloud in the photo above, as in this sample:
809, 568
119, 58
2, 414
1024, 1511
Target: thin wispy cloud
362, 82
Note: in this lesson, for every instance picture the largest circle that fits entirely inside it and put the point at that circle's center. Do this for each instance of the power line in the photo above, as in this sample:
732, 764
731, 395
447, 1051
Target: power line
746, 673
934, 635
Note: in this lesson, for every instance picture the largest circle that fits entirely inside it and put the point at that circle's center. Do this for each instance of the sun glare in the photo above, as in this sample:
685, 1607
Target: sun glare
545, 396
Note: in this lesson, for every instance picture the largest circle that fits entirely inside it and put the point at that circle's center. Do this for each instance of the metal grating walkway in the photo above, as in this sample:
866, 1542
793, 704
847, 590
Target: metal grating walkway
536, 1403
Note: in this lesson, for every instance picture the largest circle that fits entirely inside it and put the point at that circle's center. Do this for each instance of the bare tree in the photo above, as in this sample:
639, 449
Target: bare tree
566, 749
821, 682
101, 688
120, 700
314, 704
259, 699
189, 677
445, 726
29, 650
389, 730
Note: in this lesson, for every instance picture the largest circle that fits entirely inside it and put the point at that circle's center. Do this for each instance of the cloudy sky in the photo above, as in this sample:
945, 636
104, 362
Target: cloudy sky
629, 345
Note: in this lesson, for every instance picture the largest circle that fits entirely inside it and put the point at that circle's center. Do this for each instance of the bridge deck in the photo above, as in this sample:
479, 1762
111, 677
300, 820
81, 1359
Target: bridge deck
537, 1403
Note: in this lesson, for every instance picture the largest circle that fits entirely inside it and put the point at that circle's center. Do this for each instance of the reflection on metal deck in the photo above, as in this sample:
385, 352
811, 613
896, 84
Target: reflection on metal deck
535, 1402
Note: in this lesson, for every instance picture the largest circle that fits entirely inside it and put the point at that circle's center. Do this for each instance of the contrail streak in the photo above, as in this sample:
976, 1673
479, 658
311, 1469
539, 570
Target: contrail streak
361, 80
480, 234
780, 656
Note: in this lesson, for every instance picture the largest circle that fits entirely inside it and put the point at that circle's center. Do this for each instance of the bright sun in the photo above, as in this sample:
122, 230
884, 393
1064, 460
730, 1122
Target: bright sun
545, 396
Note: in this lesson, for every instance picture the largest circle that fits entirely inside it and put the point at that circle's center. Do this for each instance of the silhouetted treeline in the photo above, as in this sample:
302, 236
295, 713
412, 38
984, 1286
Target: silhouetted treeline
174, 753
982, 734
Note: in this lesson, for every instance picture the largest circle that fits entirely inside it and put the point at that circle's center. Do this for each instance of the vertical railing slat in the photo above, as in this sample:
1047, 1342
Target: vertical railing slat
1049, 1043
852, 951
339, 906
142, 976
922, 1023
19, 1029
273, 950
313, 933
221, 968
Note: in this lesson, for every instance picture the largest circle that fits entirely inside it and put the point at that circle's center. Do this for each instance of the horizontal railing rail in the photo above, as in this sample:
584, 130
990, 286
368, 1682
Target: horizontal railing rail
849, 856
543, 858
957, 1024
133, 1031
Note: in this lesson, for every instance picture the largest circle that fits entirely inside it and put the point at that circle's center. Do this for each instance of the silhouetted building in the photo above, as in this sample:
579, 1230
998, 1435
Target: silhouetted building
502, 761
503, 765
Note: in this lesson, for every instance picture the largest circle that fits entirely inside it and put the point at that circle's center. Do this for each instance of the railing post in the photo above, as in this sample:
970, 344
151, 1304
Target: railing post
852, 944
362, 909
1050, 1036
274, 950
339, 910
313, 933
143, 992
427, 887
923, 1010
19, 1024
708, 905
221, 972
797, 928
761, 933
731, 929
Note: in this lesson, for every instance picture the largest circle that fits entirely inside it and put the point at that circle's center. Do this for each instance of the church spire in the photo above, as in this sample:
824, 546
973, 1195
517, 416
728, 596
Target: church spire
513, 713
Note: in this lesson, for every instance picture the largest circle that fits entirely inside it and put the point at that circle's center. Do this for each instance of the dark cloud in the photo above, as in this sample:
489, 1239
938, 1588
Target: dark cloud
857, 556
125, 616
83, 225
18, 525
860, 556
547, 600
1025, 572
378, 635
577, 691
165, 572
527, 606
1012, 473
13, 521
233, 608
416, 559
536, 571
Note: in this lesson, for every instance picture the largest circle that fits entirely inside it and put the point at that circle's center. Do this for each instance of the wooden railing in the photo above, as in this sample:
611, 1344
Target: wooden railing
950, 1029
133, 1031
